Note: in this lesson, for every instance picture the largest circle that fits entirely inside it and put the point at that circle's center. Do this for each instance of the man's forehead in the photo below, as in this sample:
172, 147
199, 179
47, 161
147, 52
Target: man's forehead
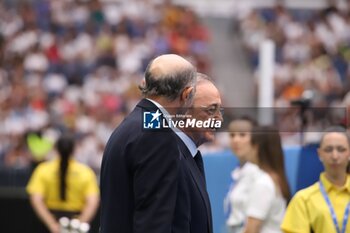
209, 95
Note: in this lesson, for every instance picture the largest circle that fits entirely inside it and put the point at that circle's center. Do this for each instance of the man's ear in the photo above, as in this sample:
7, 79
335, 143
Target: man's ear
143, 82
188, 93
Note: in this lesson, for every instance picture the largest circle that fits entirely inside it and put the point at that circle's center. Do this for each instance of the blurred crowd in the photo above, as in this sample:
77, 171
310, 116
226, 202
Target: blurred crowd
76, 65
312, 52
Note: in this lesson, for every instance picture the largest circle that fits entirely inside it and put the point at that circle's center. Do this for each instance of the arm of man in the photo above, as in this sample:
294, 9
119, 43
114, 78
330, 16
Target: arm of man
43, 212
156, 167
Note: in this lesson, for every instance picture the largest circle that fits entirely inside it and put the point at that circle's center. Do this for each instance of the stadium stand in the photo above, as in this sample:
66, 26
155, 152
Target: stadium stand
77, 65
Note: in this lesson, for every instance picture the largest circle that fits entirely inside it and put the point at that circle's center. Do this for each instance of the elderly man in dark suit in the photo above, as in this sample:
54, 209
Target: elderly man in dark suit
141, 165
193, 201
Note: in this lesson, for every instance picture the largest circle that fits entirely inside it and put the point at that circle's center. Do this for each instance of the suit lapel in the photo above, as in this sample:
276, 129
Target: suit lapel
198, 178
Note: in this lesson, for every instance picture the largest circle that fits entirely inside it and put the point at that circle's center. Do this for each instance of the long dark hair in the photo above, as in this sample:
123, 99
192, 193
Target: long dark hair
270, 155
65, 147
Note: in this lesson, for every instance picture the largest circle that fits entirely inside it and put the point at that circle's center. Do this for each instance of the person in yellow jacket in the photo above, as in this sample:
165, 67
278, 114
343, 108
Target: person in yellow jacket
63, 187
324, 207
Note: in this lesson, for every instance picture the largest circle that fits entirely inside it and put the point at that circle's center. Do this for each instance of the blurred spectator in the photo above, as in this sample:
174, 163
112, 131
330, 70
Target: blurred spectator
63, 188
270, 192
320, 207
243, 177
18, 156
260, 174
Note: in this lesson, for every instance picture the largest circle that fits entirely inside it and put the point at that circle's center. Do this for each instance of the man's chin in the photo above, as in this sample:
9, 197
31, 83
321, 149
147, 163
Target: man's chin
209, 136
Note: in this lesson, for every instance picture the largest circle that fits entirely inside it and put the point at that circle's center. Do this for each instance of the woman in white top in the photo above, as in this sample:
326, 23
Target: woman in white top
243, 176
260, 191
270, 192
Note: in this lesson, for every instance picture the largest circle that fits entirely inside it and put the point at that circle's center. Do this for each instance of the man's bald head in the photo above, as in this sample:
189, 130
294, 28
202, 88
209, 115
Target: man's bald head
167, 76
169, 63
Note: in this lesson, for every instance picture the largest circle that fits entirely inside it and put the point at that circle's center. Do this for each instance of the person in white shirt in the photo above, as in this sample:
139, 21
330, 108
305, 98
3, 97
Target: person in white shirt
243, 176
269, 192
260, 192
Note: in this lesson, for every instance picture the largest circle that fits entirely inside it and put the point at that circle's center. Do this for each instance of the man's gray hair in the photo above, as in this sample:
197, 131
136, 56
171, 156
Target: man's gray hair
170, 85
203, 77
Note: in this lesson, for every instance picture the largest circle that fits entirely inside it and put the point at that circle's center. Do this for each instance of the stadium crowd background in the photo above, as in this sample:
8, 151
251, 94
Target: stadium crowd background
312, 55
76, 64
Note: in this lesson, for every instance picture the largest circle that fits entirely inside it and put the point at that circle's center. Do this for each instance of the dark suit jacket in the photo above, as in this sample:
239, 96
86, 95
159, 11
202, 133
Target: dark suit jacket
193, 210
146, 183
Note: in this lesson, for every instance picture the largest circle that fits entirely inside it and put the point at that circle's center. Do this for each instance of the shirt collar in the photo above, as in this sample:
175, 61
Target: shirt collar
328, 185
248, 168
191, 146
